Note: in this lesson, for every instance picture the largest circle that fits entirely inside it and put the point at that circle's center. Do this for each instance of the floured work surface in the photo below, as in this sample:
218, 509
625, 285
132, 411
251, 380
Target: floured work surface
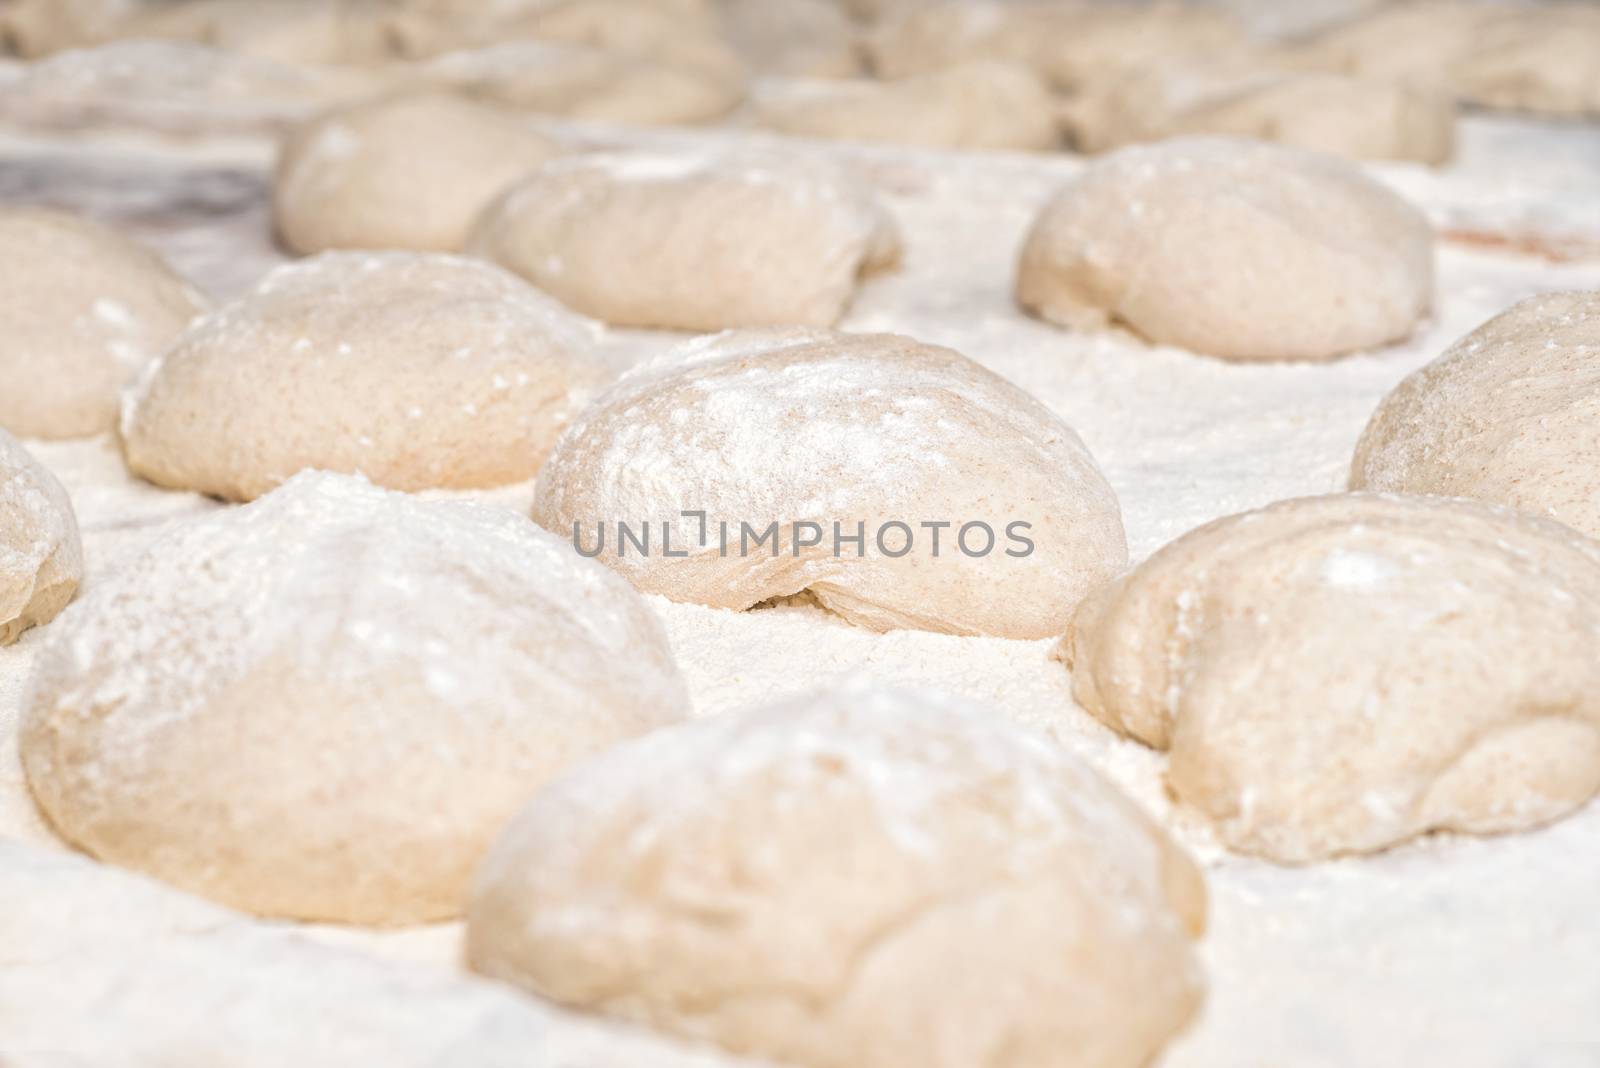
1452, 950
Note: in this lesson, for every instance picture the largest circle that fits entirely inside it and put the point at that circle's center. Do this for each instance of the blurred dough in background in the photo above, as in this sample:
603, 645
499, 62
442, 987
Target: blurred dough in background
85, 309
983, 104
407, 172
1249, 96
798, 38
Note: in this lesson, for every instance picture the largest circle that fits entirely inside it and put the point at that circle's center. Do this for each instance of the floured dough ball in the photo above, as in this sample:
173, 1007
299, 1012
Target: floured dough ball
324, 705
921, 38
1339, 674
34, 28
1236, 248
692, 243
797, 38
41, 557
581, 82
417, 370
853, 879
981, 105
1508, 414
823, 436
82, 309
412, 171
1355, 117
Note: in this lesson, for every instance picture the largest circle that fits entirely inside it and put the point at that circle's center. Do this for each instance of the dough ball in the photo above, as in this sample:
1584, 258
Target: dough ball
581, 82
1508, 414
1235, 248
692, 243
1339, 674
1355, 117
325, 704
869, 434
854, 879
412, 171
35, 28
1541, 60
82, 309
417, 370
985, 104
41, 558
797, 38
917, 39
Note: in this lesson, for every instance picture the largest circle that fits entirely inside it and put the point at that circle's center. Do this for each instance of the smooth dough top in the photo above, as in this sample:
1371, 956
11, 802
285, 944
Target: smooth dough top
323, 705
1509, 414
417, 370
1339, 674
84, 309
1236, 248
41, 556
854, 879
692, 243
789, 426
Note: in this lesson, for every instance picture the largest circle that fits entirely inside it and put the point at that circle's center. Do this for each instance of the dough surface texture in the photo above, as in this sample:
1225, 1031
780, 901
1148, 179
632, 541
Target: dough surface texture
1339, 674
1509, 414
977, 105
1233, 248
41, 556
417, 370
692, 243
852, 879
323, 705
407, 172
84, 309
861, 430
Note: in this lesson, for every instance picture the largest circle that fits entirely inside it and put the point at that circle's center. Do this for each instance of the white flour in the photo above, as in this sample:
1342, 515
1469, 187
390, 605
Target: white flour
1451, 951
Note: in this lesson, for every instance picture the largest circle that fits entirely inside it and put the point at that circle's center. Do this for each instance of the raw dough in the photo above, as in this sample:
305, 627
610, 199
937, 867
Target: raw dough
692, 243
1339, 674
798, 38
582, 82
1360, 118
796, 426
34, 28
855, 879
417, 370
325, 704
41, 557
286, 31
1510, 414
103, 967
412, 171
1236, 248
82, 309
982, 104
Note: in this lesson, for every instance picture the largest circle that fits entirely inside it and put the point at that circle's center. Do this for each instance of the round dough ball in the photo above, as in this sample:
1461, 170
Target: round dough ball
83, 308
324, 705
1509, 414
581, 82
1339, 674
1234, 248
412, 171
1416, 41
286, 31
1354, 117
689, 243
920, 38
980, 105
854, 879
35, 28
865, 431
417, 370
41, 558
1540, 60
